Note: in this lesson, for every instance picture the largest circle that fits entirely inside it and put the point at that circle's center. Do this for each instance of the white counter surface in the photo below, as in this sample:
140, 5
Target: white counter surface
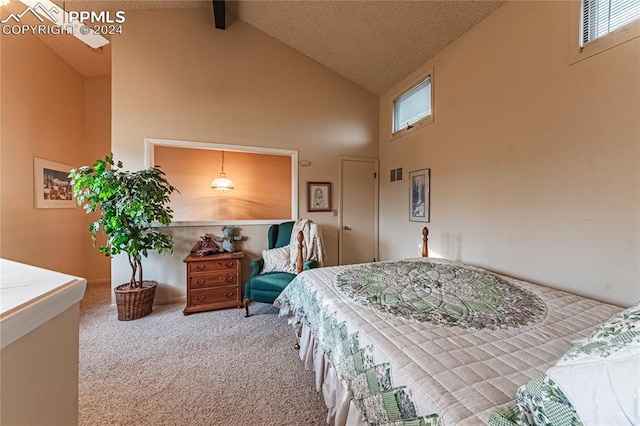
31, 296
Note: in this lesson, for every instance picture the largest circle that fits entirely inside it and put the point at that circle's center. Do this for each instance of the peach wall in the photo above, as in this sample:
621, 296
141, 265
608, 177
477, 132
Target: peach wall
97, 125
42, 116
176, 77
534, 162
262, 184
48, 111
97, 144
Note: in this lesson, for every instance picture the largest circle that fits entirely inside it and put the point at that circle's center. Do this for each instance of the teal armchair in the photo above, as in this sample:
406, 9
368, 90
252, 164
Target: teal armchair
267, 287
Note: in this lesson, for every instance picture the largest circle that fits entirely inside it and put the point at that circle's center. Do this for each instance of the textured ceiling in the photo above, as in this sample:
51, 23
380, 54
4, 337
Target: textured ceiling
372, 43
375, 44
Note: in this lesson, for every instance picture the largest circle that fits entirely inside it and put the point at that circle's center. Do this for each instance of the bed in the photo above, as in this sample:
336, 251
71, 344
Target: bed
434, 342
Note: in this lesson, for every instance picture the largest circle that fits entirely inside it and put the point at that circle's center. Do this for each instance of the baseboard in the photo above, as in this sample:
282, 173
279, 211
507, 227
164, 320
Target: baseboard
157, 301
179, 299
98, 281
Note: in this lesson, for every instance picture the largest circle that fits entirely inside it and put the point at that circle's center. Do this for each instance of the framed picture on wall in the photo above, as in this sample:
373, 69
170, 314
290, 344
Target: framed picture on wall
419, 182
318, 196
52, 185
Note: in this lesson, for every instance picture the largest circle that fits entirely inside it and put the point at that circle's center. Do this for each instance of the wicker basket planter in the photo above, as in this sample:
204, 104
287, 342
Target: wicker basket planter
129, 203
136, 303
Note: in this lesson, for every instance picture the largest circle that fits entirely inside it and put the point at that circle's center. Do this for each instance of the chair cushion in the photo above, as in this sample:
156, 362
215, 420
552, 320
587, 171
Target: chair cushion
271, 281
275, 260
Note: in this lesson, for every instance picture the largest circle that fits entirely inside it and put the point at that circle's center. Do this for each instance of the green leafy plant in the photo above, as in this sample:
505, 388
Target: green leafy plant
130, 205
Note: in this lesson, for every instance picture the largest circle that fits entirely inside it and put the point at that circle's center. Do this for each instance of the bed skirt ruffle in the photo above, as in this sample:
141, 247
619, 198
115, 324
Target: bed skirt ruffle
341, 410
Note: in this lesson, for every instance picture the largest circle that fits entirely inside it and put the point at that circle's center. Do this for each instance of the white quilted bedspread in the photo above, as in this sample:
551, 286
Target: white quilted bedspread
461, 374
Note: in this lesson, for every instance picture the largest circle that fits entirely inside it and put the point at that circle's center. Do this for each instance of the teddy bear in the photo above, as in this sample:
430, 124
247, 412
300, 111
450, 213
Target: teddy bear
228, 238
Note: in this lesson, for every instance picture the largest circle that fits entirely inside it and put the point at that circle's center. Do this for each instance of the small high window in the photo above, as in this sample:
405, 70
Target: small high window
602, 24
600, 17
413, 107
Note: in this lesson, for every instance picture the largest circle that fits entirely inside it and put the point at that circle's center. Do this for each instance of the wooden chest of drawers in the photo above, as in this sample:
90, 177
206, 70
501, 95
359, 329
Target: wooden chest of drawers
213, 282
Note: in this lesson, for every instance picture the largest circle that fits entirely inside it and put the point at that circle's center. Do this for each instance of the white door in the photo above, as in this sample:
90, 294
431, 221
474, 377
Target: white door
358, 238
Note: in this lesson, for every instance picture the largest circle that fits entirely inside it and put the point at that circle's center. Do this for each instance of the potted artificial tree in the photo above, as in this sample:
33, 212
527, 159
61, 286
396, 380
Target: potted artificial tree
130, 203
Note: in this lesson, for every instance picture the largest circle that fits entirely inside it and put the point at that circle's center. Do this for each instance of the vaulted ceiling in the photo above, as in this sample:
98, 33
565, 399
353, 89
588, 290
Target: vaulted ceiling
375, 44
372, 43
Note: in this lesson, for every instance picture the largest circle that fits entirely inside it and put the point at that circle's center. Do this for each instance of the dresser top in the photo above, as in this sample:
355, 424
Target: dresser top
217, 256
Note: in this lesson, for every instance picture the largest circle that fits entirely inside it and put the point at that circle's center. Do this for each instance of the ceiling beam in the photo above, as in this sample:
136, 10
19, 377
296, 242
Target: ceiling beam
218, 14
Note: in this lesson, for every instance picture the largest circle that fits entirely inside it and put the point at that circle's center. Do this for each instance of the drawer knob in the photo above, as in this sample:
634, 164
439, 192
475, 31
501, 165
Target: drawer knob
226, 264
201, 281
201, 267
229, 294
200, 298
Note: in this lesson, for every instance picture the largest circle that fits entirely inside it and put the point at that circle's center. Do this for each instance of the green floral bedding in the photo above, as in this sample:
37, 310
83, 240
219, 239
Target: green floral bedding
370, 385
619, 332
443, 351
596, 380
538, 403
442, 294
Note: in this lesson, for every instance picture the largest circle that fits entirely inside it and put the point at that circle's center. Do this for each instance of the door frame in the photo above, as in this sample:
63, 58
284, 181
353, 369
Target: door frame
376, 219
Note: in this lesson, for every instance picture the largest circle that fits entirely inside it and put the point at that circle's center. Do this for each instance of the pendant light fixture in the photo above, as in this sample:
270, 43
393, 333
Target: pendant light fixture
222, 183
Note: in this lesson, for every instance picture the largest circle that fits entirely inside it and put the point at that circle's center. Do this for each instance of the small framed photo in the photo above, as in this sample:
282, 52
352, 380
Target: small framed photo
318, 196
419, 182
52, 185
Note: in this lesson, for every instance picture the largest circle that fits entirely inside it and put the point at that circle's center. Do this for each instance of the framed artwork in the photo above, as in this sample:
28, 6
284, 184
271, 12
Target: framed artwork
419, 182
52, 185
318, 196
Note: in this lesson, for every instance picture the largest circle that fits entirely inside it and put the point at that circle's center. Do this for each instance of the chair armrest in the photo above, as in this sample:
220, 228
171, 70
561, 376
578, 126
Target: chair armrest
256, 267
310, 264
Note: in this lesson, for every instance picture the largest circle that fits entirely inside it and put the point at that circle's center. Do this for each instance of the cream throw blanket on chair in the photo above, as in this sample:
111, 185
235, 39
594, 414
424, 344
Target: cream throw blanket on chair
312, 245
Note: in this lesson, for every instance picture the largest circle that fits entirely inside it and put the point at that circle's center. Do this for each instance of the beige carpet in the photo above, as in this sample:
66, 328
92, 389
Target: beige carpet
210, 368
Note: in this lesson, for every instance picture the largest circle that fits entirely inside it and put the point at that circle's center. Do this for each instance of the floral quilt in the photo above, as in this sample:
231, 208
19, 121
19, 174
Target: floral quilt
597, 379
445, 350
443, 294
619, 332
369, 384
538, 403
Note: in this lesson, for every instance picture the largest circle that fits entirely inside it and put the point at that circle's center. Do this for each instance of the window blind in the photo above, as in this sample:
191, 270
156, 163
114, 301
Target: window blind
600, 17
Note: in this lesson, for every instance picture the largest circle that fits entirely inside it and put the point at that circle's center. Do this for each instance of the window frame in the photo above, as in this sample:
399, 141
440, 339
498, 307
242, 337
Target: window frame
579, 52
423, 122
150, 143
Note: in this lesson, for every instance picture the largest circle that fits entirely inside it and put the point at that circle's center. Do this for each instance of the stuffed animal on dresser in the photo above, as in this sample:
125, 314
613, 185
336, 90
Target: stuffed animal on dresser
228, 238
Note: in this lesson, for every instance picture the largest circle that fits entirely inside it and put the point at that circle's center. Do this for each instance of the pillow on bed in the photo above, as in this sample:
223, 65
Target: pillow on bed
538, 403
600, 375
275, 260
